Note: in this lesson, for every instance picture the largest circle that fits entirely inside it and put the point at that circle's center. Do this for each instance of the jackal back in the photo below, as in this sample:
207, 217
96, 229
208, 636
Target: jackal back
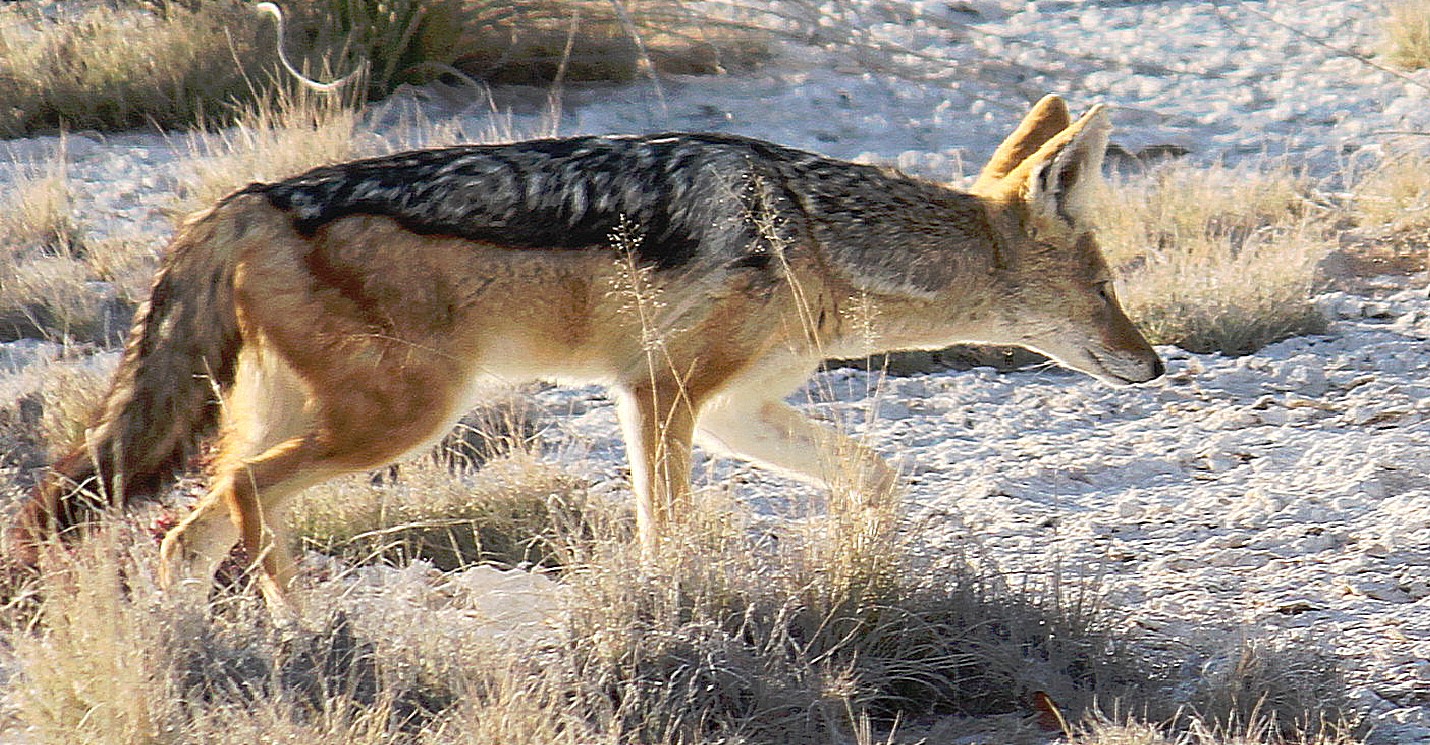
690, 199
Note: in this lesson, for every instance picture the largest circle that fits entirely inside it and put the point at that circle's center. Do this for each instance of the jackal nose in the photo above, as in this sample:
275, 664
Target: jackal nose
1158, 367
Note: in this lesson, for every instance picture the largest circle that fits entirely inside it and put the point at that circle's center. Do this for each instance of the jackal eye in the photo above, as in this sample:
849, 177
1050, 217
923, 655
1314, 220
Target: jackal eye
1104, 290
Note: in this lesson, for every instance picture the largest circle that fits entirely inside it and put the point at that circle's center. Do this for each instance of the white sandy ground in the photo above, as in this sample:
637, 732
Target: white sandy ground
1285, 494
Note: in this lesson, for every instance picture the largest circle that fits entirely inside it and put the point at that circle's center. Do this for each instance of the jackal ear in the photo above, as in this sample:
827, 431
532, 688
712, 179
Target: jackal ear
1045, 120
1060, 179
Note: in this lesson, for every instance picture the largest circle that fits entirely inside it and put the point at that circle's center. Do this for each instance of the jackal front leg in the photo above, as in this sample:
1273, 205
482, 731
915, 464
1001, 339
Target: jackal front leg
659, 424
773, 433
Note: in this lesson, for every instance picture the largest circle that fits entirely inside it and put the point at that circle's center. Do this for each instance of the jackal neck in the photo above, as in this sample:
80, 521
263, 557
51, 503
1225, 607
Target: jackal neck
893, 234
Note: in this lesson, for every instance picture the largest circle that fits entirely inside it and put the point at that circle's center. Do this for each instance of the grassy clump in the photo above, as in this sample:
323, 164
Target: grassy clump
1394, 194
1407, 31
283, 135
44, 409
525, 41
804, 639
94, 682
1215, 259
428, 514
116, 67
535, 41
507, 512
56, 283
106, 658
176, 64
828, 633
1269, 690
287, 133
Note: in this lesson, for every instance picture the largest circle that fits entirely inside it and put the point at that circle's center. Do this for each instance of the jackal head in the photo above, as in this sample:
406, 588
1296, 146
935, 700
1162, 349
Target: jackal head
1055, 293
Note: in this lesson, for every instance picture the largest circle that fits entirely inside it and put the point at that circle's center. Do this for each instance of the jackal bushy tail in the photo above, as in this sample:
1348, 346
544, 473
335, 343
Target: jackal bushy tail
162, 401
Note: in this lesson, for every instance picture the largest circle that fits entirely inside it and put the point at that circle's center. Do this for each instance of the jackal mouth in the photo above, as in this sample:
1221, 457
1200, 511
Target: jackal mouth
1117, 371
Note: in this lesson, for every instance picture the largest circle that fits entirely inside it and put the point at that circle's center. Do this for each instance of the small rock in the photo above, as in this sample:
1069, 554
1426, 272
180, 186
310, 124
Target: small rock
1376, 590
1414, 581
1296, 607
1376, 310
890, 409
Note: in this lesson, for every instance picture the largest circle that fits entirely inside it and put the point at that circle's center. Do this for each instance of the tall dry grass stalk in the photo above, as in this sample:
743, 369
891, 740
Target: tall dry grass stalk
289, 132
280, 136
1216, 258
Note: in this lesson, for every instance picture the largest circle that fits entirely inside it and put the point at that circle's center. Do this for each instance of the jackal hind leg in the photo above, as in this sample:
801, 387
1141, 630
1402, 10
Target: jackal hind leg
659, 423
245, 502
770, 432
264, 420
351, 423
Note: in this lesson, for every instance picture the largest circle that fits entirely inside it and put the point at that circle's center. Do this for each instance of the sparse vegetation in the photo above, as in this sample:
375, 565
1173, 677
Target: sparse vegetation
1216, 259
824, 635
1408, 34
1394, 194
112, 67
48, 268
175, 64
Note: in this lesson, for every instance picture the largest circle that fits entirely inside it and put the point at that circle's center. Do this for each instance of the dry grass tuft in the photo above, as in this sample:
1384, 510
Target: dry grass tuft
479, 496
109, 659
722, 634
1272, 691
49, 271
1192, 732
54, 401
1216, 259
1407, 32
37, 214
114, 67
69, 396
288, 133
82, 679
1395, 193
536, 41
42, 280
507, 516
283, 135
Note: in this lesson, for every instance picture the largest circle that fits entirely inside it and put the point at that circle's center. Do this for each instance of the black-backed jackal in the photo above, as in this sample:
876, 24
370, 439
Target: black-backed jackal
349, 315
